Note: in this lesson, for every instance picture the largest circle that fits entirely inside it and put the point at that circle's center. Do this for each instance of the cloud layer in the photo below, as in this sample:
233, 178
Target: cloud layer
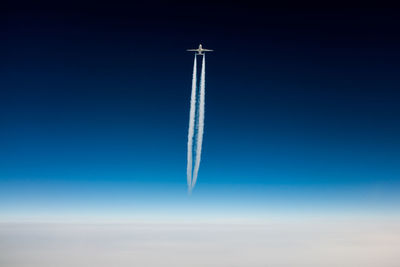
309, 243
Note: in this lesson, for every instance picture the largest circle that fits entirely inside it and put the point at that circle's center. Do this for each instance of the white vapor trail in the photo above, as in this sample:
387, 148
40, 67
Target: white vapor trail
191, 126
200, 123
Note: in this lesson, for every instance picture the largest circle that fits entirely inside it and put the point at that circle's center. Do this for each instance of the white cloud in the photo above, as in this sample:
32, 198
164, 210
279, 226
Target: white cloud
305, 243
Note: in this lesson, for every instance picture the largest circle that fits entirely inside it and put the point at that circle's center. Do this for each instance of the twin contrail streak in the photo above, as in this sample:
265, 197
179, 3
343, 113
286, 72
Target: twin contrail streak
196, 125
201, 121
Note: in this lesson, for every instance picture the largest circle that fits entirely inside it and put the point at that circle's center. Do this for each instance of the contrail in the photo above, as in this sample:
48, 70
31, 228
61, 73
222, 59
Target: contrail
196, 119
200, 123
191, 126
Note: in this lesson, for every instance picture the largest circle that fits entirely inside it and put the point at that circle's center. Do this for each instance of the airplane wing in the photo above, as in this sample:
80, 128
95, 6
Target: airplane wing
208, 50
192, 49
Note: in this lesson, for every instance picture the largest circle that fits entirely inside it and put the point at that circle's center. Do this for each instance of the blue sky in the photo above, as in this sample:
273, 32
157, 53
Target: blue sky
301, 111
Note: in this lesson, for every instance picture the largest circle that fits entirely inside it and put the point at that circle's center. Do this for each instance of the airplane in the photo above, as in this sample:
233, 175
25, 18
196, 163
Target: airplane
200, 50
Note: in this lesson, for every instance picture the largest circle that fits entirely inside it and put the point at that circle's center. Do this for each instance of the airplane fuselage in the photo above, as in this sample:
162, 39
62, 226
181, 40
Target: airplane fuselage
200, 51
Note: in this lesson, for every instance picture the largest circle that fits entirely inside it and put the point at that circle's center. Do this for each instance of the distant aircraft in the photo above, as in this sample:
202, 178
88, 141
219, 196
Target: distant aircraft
200, 50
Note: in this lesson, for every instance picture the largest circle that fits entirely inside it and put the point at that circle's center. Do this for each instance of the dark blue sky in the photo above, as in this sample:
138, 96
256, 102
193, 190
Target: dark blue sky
95, 99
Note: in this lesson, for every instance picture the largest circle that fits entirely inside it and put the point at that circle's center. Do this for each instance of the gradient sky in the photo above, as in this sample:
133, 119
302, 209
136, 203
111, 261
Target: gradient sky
302, 110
